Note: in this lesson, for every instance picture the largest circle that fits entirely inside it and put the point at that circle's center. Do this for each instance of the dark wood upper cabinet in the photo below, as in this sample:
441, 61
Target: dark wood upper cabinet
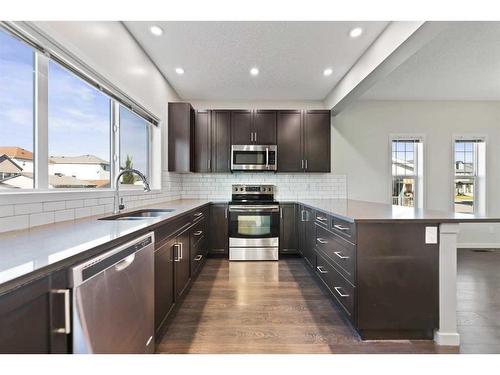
290, 152
221, 141
317, 141
256, 127
304, 141
181, 119
202, 142
241, 128
264, 127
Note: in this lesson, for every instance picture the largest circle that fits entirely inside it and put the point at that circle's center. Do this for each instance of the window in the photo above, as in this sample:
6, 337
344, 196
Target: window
134, 145
93, 129
79, 132
406, 168
468, 166
16, 114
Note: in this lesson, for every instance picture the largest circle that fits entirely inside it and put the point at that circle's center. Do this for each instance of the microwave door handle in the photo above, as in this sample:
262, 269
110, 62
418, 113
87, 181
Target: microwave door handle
267, 157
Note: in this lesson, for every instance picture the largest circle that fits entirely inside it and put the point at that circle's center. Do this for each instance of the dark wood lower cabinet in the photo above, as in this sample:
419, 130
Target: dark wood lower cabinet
164, 281
32, 316
288, 229
218, 230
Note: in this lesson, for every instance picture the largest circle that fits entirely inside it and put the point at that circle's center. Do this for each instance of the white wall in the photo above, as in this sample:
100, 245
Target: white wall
361, 151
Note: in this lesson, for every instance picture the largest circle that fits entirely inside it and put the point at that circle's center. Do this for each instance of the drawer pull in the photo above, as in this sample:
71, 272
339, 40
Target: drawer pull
321, 218
198, 232
198, 257
338, 290
340, 227
321, 269
321, 240
198, 214
339, 254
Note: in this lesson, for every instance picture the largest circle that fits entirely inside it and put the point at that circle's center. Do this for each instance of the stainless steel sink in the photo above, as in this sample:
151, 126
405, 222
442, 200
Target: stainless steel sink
140, 214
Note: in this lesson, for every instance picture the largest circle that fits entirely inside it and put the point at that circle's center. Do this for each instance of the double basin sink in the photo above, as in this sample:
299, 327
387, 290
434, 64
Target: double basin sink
140, 214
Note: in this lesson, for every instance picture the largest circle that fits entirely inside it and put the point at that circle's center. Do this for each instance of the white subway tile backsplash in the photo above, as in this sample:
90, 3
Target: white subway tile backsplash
14, 223
54, 206
82, 212
41, 218
28, 208
64, 215
7, 210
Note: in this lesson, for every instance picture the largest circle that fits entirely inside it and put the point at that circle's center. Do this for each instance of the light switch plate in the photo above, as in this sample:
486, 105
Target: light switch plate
431, 235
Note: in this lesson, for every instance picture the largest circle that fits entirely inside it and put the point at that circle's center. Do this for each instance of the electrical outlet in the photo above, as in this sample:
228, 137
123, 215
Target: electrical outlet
431, 235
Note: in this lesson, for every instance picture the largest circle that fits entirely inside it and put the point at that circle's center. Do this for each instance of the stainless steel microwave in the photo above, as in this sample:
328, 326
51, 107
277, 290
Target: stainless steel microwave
254, 158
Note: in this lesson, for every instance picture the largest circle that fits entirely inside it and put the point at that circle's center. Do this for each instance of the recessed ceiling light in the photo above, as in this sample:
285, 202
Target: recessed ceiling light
179, 70
328, 72
354, 33
254, 71
156, 30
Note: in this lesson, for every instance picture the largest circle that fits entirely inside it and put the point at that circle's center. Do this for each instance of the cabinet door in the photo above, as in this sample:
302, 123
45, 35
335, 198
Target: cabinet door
290, 141
264, 127
164, 281
309, 237
241, 127
317, 141
202, 158
288, 226
218, 228
182, 263
32, 318
301, 224
221, 141
180, 142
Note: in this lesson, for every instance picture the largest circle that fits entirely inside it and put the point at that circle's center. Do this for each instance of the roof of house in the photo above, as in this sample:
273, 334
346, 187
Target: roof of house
7, 165
82, 159
16, 153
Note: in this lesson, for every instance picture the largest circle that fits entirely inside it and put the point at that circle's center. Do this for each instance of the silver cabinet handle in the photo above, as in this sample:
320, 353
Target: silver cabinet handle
67, 314
198, 214
198, 257
281, 213
198, 232
251, 136
321, 269
321, 218
182, 251
302, 164
340, 227
177, 256
338, 290
255, 136
306, 164
225, 213
339, 254
321, 240
208, 163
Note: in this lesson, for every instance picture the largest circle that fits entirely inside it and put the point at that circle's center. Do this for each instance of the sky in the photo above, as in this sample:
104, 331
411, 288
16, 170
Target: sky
79, 115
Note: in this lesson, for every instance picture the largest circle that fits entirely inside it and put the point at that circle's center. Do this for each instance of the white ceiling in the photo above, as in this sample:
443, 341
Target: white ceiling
461, 63
291, 57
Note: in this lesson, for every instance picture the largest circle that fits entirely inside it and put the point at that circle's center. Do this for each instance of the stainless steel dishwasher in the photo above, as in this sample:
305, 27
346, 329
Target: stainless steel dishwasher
113, 300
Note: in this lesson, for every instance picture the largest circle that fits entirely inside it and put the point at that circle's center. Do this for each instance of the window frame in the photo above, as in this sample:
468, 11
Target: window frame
420, 168
42, 57
479, 176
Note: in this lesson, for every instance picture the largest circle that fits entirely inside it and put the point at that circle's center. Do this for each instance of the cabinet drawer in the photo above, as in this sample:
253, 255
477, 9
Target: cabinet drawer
198, 231
199, 214
198, 255
338, 251
344, 228
171, 229
321, 218
341, 289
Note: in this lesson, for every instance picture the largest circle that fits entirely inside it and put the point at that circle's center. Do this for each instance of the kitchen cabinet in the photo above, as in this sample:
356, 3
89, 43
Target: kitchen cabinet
288, 229
32, 317
164, 281
221, 141
253, 127
202, 142
219, 226
182, 262
303, 141
306, 233
181, 124
199, 245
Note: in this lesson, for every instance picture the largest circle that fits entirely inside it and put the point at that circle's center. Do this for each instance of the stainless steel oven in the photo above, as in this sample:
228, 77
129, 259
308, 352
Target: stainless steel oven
254, 223
254, 158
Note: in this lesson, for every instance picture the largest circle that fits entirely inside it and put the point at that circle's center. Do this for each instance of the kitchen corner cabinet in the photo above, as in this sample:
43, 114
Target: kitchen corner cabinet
181, 122
306, 234
32, 317
219, 227
303, 141
288, 229
253, 127
220, 141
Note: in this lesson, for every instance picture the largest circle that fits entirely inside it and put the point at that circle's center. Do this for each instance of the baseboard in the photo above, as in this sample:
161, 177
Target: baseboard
446, 338
480, 245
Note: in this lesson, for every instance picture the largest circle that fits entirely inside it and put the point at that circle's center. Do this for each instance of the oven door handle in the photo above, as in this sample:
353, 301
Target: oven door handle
254, 208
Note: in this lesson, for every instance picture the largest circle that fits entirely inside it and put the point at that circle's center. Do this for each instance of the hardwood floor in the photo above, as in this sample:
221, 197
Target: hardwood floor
479, 301
267, 307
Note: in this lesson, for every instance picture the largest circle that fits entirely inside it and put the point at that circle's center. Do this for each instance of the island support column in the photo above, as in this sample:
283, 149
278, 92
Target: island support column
447, 333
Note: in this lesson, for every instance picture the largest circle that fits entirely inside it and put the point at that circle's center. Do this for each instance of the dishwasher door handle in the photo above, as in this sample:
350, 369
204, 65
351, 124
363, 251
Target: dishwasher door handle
121, 265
